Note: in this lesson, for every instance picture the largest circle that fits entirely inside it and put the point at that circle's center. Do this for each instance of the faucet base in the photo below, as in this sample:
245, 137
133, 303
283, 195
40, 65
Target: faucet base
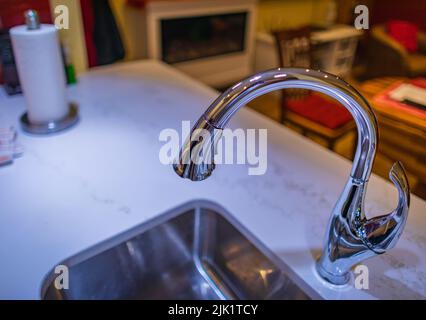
338, 280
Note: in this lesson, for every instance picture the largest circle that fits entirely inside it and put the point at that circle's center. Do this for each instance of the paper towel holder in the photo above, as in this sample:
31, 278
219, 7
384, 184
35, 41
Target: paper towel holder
32, 21
51, 126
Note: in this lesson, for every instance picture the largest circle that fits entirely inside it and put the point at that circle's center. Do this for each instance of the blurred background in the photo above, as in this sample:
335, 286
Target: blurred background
220, 42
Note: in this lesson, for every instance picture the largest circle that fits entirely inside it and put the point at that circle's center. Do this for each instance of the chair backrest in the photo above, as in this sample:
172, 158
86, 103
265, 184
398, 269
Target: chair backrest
294, 47
294, 50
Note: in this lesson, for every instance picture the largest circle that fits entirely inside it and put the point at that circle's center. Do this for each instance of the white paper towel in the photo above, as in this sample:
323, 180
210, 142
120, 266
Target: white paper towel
41, 72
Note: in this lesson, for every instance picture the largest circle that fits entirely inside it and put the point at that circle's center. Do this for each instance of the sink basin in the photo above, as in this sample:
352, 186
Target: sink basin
196, 251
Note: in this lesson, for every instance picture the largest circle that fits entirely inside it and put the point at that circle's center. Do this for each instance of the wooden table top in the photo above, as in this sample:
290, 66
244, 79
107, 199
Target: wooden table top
372, 87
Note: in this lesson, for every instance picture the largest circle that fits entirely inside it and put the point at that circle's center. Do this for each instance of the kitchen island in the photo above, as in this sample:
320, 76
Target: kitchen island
72, 190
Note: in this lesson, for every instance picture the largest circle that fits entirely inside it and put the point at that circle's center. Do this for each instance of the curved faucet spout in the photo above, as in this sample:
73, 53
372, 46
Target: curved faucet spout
226, 105
350, 235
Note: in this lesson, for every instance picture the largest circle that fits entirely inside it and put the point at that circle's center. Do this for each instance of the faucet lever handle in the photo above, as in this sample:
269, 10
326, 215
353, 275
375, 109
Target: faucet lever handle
382, 233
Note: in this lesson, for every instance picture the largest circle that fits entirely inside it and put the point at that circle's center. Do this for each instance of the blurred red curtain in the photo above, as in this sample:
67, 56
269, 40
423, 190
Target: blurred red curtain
88, 23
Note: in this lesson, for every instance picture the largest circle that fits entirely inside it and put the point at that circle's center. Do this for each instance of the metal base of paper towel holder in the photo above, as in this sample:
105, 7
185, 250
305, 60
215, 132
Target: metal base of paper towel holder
52, 126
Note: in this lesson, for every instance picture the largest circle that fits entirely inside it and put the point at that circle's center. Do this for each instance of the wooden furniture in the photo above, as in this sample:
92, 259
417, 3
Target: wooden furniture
402, 135
394, 59
312, 113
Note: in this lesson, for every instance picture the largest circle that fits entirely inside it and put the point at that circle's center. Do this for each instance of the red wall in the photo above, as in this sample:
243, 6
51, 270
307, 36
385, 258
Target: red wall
410, 10
12, 14
12, 11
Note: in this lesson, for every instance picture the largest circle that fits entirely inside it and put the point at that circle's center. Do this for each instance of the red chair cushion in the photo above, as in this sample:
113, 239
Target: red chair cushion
404, 33
314, 107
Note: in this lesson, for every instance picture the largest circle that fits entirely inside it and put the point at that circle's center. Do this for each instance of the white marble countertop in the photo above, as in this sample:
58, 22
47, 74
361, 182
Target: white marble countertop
73, 190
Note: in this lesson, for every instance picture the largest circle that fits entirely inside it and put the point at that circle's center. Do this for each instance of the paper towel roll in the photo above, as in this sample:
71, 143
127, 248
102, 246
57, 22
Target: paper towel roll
41, 72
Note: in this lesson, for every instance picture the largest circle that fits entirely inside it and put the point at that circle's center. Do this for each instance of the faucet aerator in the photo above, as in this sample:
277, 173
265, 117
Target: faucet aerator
193, 171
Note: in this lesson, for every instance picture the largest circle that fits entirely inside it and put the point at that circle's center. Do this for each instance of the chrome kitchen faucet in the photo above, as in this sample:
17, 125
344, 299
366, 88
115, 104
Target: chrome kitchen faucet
351, 237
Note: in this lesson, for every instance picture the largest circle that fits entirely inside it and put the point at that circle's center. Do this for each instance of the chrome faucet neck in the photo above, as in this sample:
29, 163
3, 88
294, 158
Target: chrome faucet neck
225, 106
350, 237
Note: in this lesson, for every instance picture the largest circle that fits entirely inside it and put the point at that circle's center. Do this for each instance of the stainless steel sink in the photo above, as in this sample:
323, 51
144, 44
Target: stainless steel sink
196, 251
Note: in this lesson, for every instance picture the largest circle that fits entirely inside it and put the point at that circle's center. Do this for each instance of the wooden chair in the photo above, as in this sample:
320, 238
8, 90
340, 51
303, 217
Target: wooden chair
394, 59
311, 112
